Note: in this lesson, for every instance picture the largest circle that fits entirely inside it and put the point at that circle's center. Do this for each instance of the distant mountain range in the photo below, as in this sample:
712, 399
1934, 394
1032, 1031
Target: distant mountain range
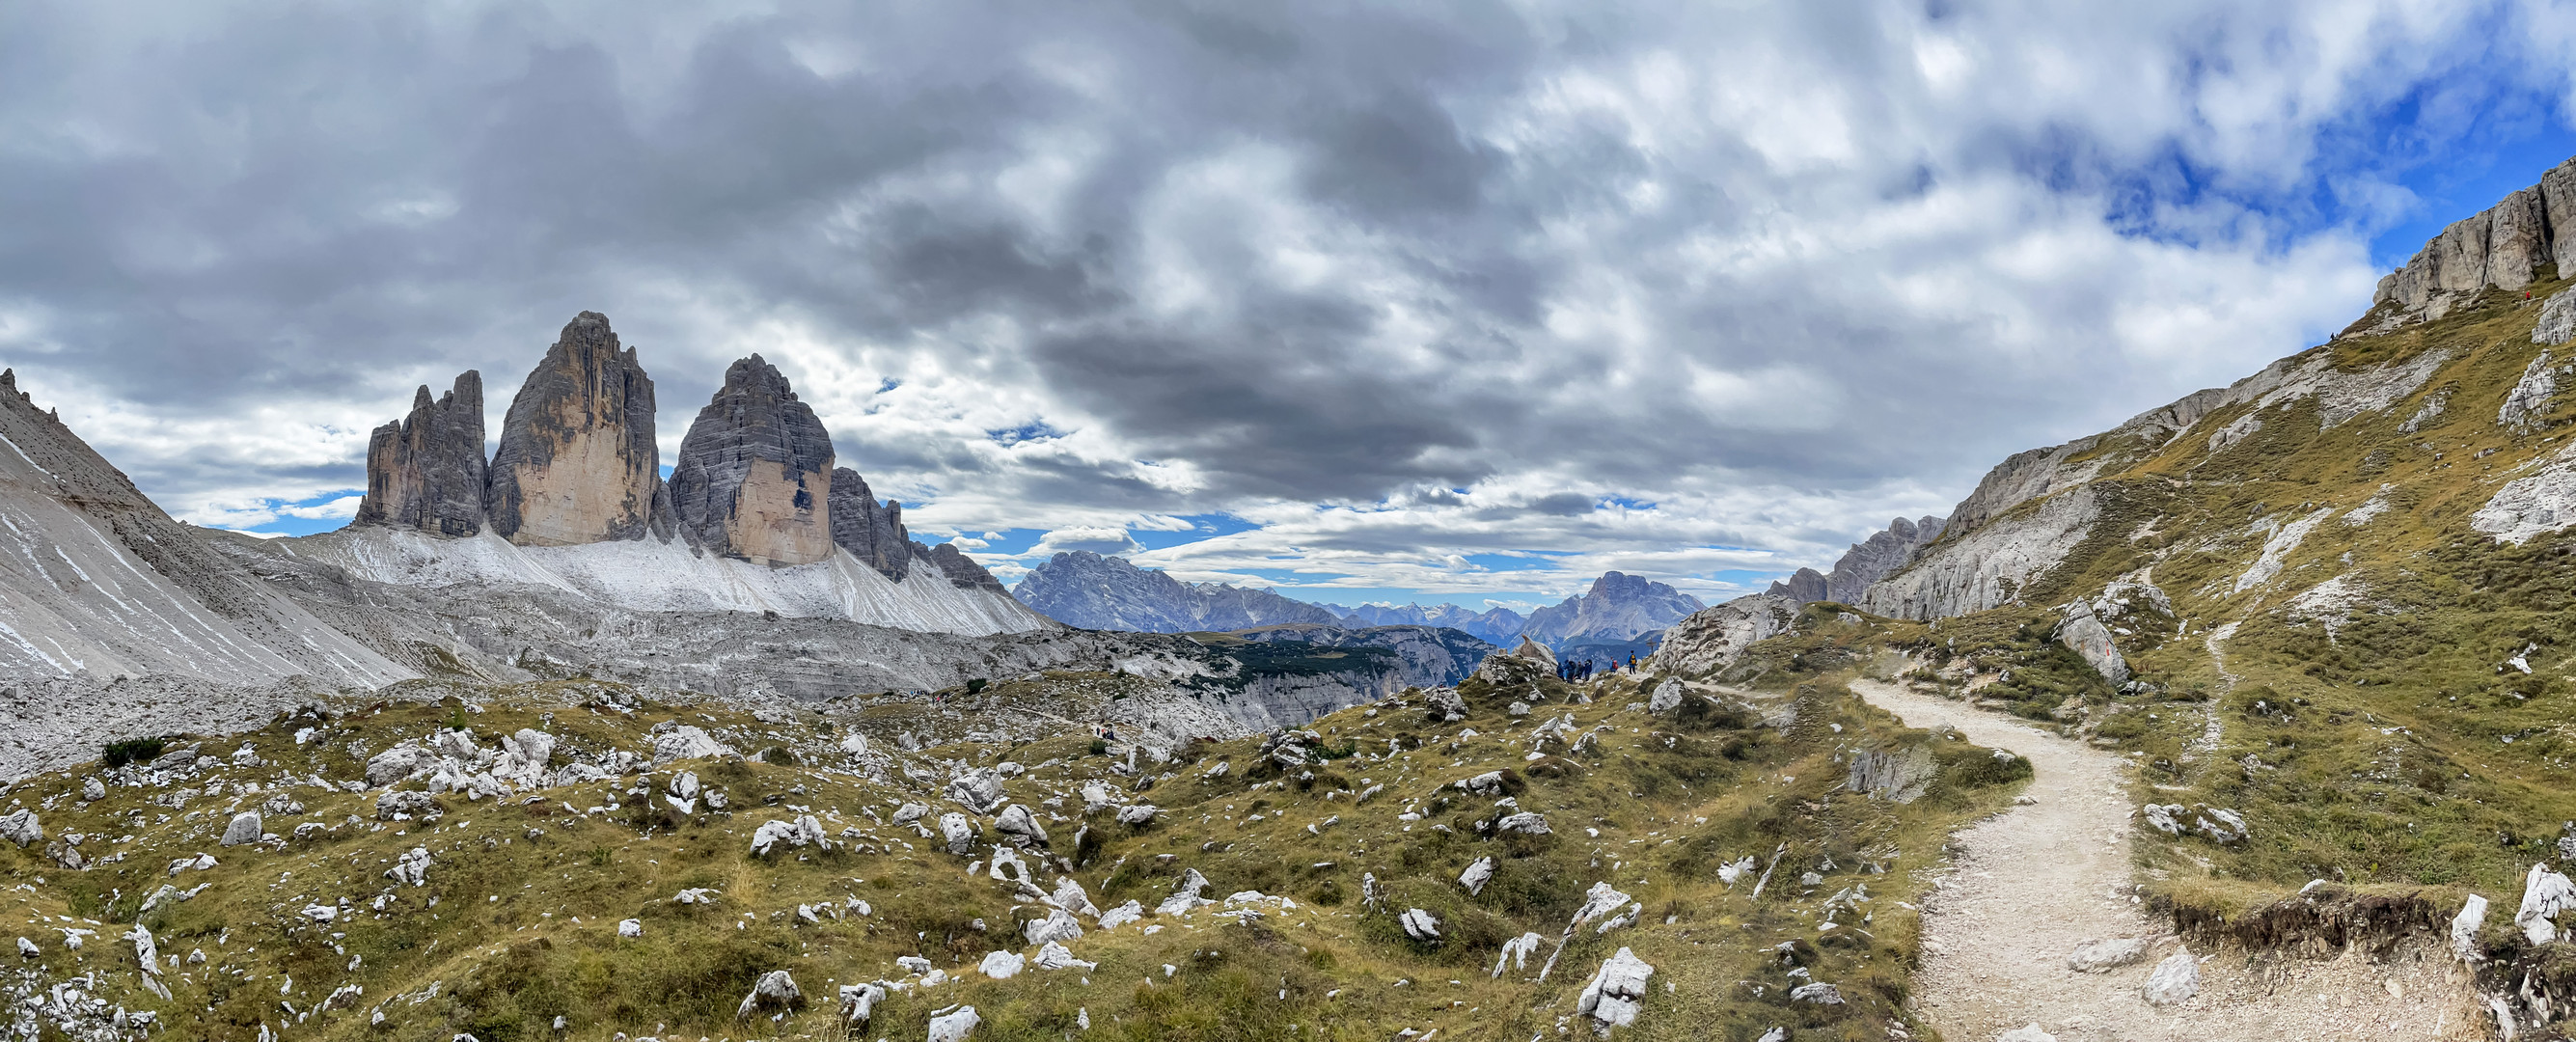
1083, 589
1620, 614
1500, 625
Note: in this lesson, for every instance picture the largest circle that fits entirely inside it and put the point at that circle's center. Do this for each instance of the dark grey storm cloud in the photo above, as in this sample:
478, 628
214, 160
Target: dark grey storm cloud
1397, 281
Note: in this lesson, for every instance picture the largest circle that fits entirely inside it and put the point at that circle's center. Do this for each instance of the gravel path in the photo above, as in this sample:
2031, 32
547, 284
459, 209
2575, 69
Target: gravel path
2032, 884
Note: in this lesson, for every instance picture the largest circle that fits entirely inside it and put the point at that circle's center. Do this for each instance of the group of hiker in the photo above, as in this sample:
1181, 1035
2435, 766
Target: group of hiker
1574, 672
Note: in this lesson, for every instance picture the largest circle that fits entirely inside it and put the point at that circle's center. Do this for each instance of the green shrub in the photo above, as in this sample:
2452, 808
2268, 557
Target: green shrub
130, 750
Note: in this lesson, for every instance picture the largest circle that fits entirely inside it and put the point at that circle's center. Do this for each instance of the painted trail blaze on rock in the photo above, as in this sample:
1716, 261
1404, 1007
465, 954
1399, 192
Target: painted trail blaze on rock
754, 478
577, 461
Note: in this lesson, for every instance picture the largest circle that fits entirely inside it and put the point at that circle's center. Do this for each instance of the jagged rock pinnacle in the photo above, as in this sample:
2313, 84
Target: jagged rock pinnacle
577, 461
754, 478
426, 471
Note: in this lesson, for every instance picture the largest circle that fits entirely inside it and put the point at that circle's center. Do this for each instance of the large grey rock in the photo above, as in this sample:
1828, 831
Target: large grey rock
956, 1025
21, 827
1711, 639
2503, 246
2174, 981
577, 462
774, 990
2085, 635
426, 471
1616, 992
1804, 586
871, 531
754, 476
2464, 929
2104, 956
244, 828
2545, 894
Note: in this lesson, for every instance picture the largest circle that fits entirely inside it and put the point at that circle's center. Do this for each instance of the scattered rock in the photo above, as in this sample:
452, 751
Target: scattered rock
1516, 952
630, 928
2174, 981
685, 742
1617, 990
1667, 697
1819, 993
28, 949
2103, 956
2544, 895
412, 867
775, 990
1053, 956
1019, 826
244, 829
1185, 895
954, 1026
1002, 965
410, 804
1444, 705
958, 832
1420, 926
1059, 925
1477, 875
2464, 929
979, 790
20, 827
93, 790
1138, 814
1527, 823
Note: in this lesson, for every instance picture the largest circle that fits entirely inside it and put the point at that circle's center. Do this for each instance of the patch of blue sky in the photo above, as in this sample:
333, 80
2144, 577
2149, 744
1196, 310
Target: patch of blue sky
1203, 527
1009, 543
327, 512
1034, 430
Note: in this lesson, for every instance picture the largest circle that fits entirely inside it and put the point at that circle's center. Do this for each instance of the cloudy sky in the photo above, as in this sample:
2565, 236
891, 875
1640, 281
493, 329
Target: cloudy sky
1409, 300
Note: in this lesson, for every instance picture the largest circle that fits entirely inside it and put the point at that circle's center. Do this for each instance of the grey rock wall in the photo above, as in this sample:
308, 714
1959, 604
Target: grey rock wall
754, 474
871, 531
426, 471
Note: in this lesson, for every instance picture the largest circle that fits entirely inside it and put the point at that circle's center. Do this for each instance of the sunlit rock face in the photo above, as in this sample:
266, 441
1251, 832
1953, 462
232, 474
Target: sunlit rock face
754, 478
577, 462
426, 470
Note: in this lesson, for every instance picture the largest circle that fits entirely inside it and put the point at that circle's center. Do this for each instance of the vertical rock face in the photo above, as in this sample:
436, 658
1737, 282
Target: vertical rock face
577, 462
2502, 247
426, 471
870, 531
754, 479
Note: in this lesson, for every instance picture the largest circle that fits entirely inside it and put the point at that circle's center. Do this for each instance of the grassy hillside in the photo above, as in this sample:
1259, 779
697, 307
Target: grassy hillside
2389, 709
516, 920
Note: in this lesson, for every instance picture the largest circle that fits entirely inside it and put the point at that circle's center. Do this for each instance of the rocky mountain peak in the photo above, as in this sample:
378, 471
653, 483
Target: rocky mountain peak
577, 461
426, 471
1619, 609
1868, 561
1081, 588
754, 477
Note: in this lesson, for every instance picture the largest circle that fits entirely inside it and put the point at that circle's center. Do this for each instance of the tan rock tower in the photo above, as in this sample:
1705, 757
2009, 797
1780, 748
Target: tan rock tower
754, 477
426, 470
577, 461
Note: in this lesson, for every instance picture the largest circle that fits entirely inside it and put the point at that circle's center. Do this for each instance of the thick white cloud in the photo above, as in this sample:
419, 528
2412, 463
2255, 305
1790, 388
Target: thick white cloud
1404, 286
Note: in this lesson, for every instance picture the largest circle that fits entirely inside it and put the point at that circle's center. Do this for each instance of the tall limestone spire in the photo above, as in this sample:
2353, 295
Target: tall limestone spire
577, 461
426, 470
754, 477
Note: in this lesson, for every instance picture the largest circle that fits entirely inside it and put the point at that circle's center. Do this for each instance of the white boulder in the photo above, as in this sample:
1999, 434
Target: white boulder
1002, 965
1419, 925
1617, 991
244, 829
1477, 875
2464, 929
2174, 981
954, 1026
2103, 956
775, 990
2544, 895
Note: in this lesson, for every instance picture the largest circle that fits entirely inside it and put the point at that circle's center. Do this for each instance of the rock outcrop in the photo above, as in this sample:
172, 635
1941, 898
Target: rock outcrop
1712, 638
1868, 561
754, 477
1081, 588
2504, 247
577, 461
426, 471
871, 531
961, 570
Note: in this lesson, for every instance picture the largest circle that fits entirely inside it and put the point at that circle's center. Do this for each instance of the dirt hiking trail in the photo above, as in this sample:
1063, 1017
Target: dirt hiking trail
2032, 884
